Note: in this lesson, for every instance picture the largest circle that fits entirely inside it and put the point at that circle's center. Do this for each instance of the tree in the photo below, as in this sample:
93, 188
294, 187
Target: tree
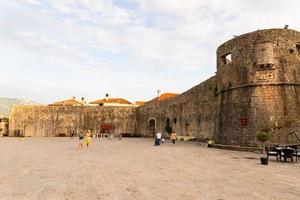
168, 127
262, 136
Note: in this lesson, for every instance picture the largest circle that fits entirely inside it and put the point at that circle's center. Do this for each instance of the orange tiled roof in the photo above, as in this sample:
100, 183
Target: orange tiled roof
164, 96
69, 102
111, 100
140, 103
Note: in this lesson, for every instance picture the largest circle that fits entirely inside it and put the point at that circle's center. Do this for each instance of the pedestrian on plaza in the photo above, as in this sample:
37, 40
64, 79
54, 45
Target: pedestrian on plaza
88, 138
72, 134
173, 137
157, 139
81, 140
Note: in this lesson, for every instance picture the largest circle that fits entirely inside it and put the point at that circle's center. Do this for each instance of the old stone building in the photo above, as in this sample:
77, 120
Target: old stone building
256, 88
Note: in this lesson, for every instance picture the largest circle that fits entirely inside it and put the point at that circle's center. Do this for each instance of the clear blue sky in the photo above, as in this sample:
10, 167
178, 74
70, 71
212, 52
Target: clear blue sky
55, 49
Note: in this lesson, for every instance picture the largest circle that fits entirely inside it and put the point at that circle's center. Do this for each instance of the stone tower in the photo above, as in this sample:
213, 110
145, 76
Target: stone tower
258, 86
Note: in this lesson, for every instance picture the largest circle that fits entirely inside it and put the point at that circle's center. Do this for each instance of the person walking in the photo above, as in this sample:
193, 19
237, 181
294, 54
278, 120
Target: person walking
81, 140
157, 139
72, 134
88, 138
173, 137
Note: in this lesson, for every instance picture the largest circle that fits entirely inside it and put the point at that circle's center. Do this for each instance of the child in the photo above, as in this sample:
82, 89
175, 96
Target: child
88, 138
173, 137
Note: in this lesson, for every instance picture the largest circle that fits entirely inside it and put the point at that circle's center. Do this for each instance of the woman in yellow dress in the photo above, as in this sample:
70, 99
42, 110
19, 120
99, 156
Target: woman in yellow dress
88, 138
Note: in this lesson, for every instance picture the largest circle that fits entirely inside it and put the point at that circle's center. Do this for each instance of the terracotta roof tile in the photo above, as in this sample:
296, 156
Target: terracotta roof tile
68, 102
111, 100
164, 96
140, 103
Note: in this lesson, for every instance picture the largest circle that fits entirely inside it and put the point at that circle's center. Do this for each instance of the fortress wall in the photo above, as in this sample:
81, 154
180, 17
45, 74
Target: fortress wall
257, 86
261, 85
191, 113
56, 120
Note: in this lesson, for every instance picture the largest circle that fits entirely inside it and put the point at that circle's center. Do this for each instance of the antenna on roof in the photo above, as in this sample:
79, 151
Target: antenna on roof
286, 26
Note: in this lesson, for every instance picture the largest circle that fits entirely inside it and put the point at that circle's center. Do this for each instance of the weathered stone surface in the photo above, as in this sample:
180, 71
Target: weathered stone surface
191, 113
59, 120
261, 84
3, 128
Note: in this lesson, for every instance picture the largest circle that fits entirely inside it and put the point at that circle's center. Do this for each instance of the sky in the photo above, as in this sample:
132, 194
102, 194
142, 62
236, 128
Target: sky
55, 49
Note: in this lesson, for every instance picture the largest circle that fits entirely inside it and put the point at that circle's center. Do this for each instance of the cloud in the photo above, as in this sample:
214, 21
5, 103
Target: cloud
129, 48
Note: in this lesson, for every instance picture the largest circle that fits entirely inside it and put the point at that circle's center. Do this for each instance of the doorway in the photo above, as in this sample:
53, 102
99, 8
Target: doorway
151, 128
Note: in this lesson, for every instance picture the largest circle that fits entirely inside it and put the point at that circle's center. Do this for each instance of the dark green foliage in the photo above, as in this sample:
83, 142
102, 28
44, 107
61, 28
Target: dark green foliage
168, 127
4, 119
262, 136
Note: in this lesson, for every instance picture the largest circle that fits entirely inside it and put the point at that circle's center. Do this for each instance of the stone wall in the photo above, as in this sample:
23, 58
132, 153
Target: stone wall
60, 120
191, 113
259, 88
3, 128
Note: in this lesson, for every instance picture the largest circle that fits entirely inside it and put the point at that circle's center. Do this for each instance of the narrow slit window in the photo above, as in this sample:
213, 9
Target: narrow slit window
298, 48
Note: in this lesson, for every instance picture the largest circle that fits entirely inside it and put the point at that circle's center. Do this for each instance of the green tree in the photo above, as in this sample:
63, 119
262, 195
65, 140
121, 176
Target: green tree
168, 127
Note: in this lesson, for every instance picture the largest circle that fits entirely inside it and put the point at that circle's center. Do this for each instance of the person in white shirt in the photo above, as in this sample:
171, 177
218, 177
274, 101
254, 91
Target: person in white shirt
157, 139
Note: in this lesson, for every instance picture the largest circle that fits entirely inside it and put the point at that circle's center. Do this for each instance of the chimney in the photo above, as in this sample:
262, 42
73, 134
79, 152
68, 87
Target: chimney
106, 96
158, 93
73, 98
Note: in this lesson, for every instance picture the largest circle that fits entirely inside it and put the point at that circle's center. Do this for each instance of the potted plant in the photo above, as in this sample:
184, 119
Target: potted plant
263, 136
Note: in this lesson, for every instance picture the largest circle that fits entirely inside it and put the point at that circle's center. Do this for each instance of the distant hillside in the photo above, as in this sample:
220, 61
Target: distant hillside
5, 104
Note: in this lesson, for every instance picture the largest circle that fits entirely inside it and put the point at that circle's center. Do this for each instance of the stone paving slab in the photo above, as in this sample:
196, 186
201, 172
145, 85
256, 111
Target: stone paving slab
133, 169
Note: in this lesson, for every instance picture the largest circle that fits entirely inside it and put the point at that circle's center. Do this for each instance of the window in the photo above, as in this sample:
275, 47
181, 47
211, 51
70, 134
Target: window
175, 120
298, 48
226, 59
264, 56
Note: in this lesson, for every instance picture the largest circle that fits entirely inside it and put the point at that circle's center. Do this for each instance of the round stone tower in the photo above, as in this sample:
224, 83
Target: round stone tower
258, 86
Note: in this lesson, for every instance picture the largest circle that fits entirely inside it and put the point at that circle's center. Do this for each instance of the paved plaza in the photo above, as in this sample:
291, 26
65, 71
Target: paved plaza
132, 168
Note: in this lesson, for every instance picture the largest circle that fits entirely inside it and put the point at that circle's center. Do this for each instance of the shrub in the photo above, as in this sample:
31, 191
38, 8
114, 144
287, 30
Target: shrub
262, 136
168, 127
5, 119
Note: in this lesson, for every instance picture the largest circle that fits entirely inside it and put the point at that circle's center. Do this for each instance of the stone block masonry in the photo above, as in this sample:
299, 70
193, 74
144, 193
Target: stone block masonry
190, 114
62, 120
259, 84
